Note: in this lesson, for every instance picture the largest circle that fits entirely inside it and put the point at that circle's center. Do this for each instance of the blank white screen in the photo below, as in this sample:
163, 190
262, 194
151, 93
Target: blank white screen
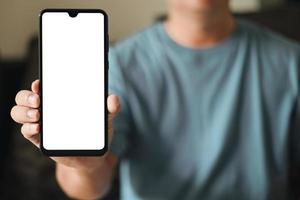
73, 81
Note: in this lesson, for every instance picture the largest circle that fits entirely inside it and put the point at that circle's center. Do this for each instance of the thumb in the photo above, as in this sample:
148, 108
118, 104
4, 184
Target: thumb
113, 105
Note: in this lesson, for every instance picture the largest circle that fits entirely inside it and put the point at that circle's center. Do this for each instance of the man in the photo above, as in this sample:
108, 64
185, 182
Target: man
209, 109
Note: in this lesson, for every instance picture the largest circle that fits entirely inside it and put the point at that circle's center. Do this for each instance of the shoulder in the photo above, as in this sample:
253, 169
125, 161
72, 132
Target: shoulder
278, 55
135, 45
269, 41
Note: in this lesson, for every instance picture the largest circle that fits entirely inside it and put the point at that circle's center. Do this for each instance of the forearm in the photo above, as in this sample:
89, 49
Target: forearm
86, 184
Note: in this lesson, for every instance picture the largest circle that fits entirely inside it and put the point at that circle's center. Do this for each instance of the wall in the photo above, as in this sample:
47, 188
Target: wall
245, 5
19, 18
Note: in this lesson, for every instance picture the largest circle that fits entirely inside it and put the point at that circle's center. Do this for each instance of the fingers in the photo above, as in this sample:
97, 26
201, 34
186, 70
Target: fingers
22, 114
28, 99
35, 86
113, 104
30, 131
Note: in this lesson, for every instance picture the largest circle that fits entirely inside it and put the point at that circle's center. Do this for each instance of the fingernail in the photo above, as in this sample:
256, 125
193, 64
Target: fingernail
31, 113
32, 99
33, 127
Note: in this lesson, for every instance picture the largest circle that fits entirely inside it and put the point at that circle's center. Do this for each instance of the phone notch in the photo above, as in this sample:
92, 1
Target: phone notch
73, 13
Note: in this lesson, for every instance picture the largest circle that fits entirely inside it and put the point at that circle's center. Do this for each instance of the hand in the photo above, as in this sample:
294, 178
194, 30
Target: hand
26, 113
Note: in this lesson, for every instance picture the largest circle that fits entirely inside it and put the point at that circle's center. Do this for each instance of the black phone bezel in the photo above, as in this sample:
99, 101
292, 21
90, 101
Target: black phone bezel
63, 152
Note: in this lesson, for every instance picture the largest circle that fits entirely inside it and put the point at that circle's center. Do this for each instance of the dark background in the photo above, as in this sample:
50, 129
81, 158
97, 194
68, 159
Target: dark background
24, 172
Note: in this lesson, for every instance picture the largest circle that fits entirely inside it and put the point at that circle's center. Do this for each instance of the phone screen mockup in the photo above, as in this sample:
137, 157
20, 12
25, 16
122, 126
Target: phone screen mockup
73, 82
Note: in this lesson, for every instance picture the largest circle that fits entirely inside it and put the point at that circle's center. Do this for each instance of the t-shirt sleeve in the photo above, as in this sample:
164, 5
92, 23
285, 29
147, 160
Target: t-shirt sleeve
121, 124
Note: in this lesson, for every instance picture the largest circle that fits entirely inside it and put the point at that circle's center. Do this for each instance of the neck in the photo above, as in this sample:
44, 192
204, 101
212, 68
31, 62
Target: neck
199, 30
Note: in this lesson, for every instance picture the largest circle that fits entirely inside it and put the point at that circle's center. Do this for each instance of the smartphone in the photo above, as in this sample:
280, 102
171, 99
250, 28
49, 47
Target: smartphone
73, 46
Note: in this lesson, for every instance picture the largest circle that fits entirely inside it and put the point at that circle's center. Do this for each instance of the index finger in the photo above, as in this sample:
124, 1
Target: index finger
35, 86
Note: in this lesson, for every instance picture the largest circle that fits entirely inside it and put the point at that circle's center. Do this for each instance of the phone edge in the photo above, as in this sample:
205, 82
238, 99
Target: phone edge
97, 152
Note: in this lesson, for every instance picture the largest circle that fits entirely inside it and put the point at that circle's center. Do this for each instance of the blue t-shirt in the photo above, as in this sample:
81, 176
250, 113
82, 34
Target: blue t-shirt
213, 123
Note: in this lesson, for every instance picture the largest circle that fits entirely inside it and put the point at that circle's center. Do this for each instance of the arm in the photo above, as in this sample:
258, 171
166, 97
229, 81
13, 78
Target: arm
87, 184
79, 177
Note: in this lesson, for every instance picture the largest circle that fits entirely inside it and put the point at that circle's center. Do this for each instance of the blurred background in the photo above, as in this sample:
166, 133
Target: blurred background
24, 172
